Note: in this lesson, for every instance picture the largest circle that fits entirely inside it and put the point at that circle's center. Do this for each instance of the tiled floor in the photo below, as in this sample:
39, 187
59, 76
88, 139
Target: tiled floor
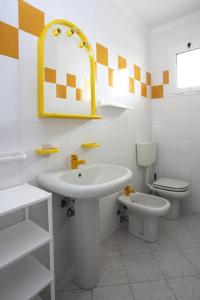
132, 269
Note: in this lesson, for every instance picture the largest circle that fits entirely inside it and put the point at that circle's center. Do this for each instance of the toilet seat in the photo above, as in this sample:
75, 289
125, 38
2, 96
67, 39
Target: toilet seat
169, 184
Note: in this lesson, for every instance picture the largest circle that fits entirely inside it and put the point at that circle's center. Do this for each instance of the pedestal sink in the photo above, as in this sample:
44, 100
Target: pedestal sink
86, 185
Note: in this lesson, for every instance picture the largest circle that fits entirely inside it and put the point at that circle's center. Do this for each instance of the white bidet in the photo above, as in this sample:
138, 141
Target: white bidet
144, 212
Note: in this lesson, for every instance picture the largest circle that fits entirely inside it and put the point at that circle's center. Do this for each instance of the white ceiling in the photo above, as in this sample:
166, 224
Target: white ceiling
153, 13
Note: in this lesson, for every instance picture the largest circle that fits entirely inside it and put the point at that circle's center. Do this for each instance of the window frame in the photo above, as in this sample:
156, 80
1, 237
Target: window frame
178, 49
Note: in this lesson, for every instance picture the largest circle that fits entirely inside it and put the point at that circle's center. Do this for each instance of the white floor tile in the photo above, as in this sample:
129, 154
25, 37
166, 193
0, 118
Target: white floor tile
109, 248
119, 292
173, 264
187, 288
185, 239
141, 267
112, 271
193, 255
74, 295
152, 290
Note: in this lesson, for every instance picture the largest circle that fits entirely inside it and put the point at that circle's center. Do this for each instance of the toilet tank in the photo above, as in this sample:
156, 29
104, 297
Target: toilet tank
146, 153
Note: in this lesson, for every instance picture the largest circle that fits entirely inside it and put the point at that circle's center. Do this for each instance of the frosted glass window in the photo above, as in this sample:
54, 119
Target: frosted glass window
188, 69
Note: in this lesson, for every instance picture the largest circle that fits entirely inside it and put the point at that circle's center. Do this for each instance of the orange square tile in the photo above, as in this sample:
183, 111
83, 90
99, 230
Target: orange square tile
31, 19
71, 80
137, 72
143, 89
110, 77
79, 95
166, 77
61, 91
102, 54
148, 78
131, 85
122, 63
157, 91
50, 75
9, 45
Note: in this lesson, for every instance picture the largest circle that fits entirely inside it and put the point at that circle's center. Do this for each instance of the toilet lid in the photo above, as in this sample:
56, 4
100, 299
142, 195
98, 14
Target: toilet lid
171, 184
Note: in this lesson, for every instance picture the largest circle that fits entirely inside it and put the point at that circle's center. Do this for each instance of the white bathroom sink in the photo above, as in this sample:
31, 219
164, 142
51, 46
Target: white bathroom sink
90, 181
86, 185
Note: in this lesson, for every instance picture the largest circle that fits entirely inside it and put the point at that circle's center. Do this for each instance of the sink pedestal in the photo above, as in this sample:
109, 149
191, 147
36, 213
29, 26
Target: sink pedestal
87, 243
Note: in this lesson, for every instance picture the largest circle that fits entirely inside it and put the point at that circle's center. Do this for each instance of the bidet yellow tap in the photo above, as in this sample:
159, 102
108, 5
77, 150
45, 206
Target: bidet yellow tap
75, 162
128, 190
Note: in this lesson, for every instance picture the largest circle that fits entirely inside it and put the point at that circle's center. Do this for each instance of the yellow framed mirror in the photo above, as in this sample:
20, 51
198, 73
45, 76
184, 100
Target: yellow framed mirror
66, 73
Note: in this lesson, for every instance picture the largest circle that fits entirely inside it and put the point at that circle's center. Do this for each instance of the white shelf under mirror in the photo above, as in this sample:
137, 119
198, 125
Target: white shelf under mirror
114, 105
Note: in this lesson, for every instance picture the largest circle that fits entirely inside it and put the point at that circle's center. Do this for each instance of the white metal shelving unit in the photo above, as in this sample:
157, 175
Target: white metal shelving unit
22, 276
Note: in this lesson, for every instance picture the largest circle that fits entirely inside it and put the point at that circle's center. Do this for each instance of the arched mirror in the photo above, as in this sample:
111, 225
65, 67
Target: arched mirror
66, 73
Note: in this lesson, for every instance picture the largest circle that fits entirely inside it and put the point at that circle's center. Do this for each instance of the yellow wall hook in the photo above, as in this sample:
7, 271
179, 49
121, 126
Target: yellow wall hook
83, 44
70, 32
56, 32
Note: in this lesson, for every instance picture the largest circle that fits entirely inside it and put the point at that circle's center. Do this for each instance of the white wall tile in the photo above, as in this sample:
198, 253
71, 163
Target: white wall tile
9, 12
39, 4
27, 77
9, 133
56, 134
170, 117
9, 78
10, 174
27, 47
28, 107
32, 166
9, 105
32, 135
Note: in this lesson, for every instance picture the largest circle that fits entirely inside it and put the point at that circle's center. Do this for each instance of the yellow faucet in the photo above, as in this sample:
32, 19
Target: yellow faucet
75, 162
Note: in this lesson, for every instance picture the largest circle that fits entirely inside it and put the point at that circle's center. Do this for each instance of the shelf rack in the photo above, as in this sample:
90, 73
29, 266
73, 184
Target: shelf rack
22, 276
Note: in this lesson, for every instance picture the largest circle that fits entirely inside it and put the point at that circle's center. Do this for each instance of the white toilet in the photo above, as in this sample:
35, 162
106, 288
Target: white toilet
172, 189
144, 212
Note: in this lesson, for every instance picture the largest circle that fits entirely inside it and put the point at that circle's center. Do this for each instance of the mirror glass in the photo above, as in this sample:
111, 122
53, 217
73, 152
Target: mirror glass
68, 87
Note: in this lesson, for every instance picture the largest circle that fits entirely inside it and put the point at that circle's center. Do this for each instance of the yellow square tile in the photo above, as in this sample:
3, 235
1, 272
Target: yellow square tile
61, 91
143, 89
110, 77
137, 73
31, 19
148, 78
131, 85
122, 63
50, 75
166, 77
79, 95
157, 91
102, 54
9, 45
71, 80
